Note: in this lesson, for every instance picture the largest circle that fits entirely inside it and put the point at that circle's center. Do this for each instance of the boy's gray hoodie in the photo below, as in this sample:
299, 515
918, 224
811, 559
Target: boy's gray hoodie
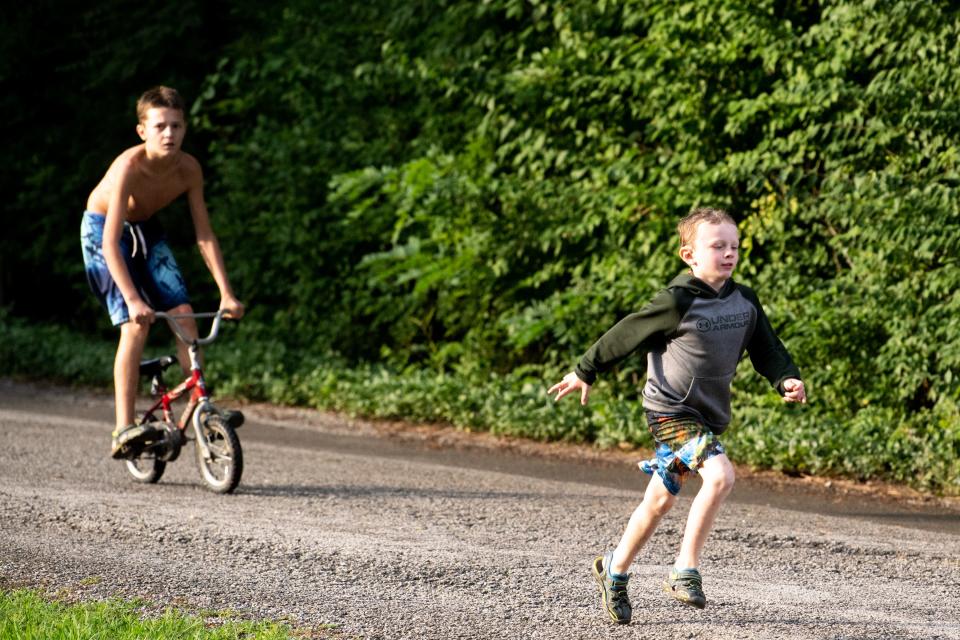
694, 337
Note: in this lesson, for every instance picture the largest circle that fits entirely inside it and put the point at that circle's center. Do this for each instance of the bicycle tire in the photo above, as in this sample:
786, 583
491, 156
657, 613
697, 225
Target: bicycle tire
223, 471
147, 467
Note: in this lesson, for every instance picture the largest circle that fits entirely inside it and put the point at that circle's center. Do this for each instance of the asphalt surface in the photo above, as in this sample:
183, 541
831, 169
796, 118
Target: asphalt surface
343, 531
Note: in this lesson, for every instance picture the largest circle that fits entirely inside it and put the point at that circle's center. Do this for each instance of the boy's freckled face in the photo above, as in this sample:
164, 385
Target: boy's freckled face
714, 253
162, 130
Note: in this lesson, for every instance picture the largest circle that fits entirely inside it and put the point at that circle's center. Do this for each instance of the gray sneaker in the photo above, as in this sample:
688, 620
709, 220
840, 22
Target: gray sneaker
613, 591
128, 442
686, 586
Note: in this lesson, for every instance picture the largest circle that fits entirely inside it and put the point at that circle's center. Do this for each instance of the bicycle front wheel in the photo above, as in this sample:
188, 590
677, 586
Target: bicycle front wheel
222, 470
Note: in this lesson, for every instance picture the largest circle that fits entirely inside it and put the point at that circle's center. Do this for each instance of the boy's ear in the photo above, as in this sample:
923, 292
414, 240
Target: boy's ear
141, 131
686, 254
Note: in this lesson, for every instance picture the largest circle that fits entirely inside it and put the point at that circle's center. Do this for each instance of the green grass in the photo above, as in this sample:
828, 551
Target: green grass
29, 615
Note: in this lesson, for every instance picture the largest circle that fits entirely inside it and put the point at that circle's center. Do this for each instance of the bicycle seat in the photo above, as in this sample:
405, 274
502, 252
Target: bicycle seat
156, 366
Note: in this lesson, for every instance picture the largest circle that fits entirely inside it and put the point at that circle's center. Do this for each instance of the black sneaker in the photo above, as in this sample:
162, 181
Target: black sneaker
128, 442
686, 586
613, 591
232, 418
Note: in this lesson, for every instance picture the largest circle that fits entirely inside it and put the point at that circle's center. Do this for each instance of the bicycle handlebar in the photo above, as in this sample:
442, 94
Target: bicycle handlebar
214, 328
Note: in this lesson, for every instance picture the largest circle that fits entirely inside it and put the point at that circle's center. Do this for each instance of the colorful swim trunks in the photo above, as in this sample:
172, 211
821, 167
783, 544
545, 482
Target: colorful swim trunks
148, 259
683, 443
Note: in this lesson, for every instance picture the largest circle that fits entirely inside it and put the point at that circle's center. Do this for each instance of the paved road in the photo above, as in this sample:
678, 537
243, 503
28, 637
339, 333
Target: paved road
339, 529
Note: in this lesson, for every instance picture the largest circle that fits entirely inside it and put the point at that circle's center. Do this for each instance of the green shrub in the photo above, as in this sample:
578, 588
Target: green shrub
873, 443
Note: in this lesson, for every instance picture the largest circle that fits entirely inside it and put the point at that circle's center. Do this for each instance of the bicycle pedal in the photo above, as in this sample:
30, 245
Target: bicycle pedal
131, 451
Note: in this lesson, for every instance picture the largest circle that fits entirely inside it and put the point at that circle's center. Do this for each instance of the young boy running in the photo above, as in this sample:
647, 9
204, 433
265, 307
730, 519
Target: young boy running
128, 263
694, 333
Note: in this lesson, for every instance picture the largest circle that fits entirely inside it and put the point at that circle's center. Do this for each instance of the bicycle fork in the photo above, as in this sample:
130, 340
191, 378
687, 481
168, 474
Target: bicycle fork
199, 408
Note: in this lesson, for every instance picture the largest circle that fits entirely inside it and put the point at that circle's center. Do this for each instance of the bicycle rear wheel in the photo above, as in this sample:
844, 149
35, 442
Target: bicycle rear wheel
146, 468
222, 471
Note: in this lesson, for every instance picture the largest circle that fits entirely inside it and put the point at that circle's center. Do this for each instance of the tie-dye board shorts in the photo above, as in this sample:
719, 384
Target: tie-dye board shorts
148, 259
682, 444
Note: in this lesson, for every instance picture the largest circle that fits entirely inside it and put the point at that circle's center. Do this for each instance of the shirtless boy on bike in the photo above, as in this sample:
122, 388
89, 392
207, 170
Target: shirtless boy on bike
128, 263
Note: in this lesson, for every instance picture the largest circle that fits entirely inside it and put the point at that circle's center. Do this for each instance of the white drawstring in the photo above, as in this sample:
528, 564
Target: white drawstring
134, 231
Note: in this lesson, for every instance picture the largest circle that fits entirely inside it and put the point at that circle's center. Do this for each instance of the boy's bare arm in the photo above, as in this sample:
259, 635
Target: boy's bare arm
140, 312
207, 241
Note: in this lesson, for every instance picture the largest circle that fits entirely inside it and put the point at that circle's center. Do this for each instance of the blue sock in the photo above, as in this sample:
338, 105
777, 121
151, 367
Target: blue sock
617, 576
607, 562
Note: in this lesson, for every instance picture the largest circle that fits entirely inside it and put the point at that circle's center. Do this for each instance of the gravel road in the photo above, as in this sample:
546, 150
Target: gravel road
343, 530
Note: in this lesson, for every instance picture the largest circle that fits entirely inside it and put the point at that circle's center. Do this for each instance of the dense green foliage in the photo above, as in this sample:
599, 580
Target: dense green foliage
71, 75
452, 200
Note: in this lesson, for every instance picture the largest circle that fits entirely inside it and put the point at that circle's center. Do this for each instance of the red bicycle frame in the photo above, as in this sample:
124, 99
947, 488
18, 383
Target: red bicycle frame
195, 384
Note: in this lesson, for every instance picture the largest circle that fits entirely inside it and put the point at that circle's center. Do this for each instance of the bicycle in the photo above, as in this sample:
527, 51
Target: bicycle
217, 447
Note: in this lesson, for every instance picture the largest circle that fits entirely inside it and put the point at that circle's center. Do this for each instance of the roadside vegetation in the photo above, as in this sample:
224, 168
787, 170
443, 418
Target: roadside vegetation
432, 209
249, 366
30, 615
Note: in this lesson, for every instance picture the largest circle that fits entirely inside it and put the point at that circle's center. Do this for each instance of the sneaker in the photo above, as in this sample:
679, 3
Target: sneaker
613, 591
128, 442
686, 585
232, 418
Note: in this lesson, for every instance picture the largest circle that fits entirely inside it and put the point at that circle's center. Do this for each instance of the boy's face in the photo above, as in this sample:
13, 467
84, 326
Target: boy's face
714, 253
162, 130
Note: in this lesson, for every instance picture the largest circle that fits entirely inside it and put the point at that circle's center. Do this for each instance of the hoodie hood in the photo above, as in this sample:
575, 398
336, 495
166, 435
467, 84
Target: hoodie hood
701, 289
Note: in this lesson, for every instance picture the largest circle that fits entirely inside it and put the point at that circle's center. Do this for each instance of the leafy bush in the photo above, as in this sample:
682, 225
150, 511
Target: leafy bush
249, 364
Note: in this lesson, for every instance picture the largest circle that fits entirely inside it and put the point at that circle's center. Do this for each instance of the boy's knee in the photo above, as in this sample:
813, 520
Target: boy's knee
134, 331
660, 503
725, 484
721, 479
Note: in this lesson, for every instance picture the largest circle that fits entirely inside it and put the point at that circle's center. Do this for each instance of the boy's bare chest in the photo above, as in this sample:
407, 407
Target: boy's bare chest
149, 194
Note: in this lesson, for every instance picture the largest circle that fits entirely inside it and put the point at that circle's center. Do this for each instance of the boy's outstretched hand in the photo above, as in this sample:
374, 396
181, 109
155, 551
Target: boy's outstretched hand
793, 391
570, 383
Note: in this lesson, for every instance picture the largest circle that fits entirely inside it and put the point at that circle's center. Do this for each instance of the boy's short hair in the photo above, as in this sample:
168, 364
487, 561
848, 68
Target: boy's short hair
687, 227
158, 98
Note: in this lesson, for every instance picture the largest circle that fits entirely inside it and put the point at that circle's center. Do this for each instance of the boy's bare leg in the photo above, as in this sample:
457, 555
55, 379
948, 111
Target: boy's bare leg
718, 477
657, 501
126, 370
